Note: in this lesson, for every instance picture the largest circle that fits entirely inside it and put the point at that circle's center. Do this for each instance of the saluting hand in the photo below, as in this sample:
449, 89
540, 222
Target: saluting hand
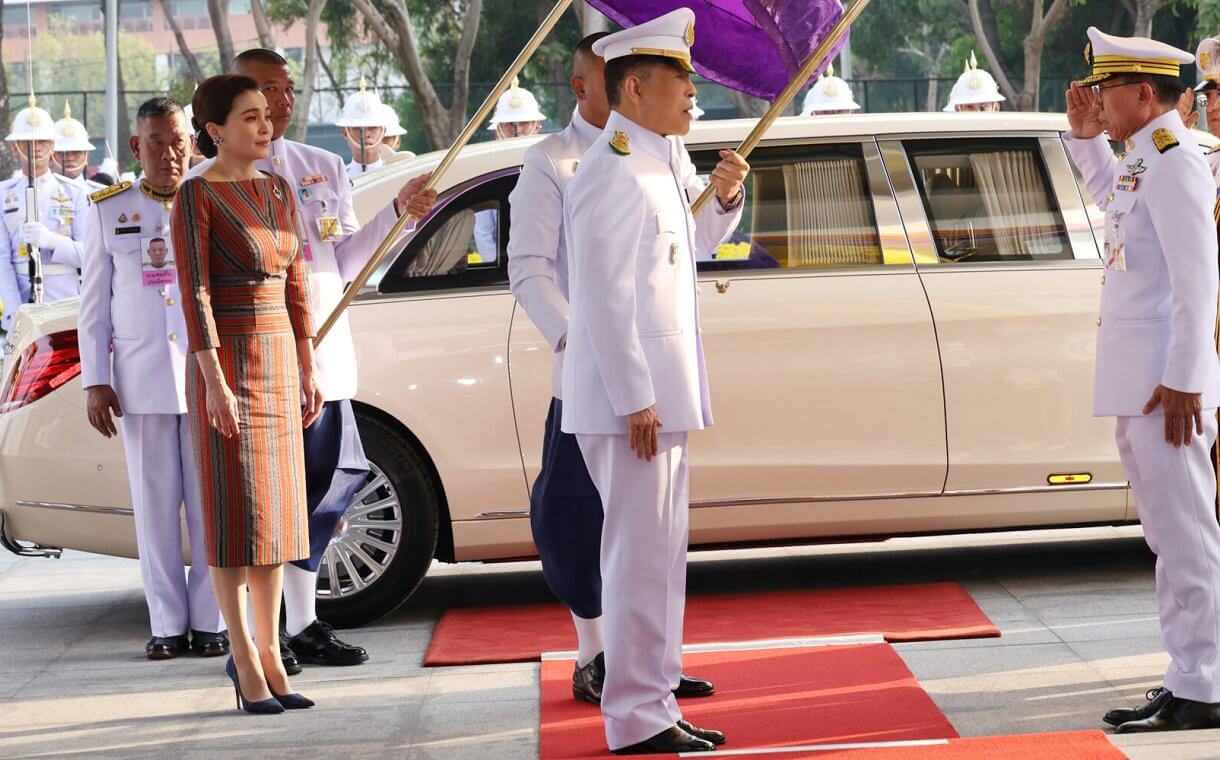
642, 428
413, 200
1183, 414
1186, 108
101, 400
728, 176
1084, 112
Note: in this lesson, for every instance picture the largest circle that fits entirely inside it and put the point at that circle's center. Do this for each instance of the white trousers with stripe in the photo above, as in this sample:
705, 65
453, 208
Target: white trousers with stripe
643, 563
163, 476
1175, 493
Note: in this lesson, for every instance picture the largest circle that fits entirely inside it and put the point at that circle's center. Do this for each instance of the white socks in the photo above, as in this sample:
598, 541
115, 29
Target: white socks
300, 601
589, 639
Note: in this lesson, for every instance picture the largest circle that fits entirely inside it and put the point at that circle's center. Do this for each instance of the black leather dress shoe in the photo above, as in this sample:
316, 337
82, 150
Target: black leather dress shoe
166, 647
1156, 699
587, 681
706, 734
208, 644
693, 687
318, 645
292, 665
669, 741
1176, 714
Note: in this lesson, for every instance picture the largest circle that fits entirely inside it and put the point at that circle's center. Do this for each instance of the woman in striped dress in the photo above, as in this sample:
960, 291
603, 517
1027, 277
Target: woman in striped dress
245, 294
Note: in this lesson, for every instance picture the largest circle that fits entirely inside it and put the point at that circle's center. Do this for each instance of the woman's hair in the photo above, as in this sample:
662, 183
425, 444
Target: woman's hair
212, 104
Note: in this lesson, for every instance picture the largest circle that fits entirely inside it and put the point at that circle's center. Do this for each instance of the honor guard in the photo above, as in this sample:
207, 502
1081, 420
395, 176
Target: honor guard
72, 149
42, 212
393, 128
829, 96
336, 248
1157, 370
565, 508
1207, 58
362, 125
975, 90
130, 301
634, 374
517, 114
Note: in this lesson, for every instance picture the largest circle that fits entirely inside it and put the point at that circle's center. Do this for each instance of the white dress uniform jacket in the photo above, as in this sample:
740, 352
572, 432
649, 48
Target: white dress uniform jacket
325, 193
537, 248
61, 207
1158, 315
355, 170
86, 184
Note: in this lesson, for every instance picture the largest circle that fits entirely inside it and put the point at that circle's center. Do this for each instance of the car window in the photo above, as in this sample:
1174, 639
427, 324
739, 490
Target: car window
805, 208
461, 244
988, 200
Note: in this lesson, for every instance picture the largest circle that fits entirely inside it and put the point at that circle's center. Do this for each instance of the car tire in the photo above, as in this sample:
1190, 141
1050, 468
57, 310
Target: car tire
406, 478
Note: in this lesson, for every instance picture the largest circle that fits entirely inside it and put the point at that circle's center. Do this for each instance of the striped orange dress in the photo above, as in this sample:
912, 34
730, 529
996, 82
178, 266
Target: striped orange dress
245, 292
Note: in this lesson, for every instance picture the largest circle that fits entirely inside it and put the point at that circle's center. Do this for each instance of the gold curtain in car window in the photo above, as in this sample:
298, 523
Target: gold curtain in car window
445, 249
1014, 195
830, 221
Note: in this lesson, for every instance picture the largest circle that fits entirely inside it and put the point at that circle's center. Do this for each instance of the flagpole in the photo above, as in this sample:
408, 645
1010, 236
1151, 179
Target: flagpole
815, 60
468, 133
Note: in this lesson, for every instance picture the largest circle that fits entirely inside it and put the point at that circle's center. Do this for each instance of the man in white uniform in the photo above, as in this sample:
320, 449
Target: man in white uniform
1157, 369
565, 508
829, 96
133, 305
634, 376
55, 227
1207, 57
336, 248
72, 148
517, 114
362, 125
974, 91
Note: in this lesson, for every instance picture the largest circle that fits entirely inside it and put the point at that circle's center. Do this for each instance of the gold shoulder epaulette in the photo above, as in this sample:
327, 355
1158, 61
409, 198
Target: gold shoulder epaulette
107, 192
621, 143
1163, 139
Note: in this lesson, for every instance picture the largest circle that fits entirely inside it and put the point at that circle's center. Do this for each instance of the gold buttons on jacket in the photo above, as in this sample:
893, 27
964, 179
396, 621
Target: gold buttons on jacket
169, 302
174, 336
1099, 321
1103, 279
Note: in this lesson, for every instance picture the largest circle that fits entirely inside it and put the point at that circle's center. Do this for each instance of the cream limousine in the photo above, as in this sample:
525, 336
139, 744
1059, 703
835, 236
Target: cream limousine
900, 337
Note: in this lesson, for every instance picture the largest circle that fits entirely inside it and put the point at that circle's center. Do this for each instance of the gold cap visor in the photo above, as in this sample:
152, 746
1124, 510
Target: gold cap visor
683, 58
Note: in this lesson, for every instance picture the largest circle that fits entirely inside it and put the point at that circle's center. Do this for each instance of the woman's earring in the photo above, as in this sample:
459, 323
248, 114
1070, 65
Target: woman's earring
218, 140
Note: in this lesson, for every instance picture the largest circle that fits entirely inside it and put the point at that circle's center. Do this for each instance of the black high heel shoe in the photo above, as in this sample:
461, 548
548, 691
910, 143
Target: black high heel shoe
292, 701
262, 706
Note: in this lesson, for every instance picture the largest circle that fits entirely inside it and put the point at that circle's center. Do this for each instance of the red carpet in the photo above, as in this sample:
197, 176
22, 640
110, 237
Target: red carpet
1074, 745
900, 613
771, 697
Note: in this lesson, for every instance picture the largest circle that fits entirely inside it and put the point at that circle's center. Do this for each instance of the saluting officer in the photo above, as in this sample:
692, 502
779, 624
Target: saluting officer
565, 508
1157, 369
1207, 58
336, 248
72, 149
56, 227
362, 125
130, 300
975, 90
634, 375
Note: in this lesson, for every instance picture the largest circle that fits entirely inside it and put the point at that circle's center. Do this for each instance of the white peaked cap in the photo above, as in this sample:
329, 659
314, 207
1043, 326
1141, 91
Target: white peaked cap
974, 86
1109, 56
670, 35
829, 93
70, 134
516, 105
362, 109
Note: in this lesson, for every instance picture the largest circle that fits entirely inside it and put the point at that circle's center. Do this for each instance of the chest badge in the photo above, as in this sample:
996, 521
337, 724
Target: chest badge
313, 179
1137, 168
621, 143
123, 218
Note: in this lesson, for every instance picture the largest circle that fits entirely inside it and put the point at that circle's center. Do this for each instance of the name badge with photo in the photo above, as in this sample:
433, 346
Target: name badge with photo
328, 227
157, 262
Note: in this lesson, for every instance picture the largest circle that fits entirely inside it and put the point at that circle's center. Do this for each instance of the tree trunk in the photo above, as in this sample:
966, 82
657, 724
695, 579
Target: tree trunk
8, 160
218, 11
330, 77
194, 71
748, 106
1041, 23
265, 38
310, 73
558, 70
1145, 10
591, 20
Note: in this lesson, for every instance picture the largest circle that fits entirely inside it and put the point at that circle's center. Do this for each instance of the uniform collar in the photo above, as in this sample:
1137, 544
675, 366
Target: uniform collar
44, 179
585, 132
641, 138
1142, 139
355, 165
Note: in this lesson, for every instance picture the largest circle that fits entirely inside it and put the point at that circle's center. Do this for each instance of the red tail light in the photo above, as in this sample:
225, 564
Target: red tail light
46, 364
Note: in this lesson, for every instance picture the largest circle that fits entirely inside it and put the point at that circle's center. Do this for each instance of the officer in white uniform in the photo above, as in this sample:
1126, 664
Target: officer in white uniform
517, 114
72, 149
975, 90
634, 375
829, 96
1157, 369
565, 508
362, 125
131, 303
1207, 58
337, 248
56, 229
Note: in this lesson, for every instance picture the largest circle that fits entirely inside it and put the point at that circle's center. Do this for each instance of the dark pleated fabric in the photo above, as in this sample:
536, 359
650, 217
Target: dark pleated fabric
245, 293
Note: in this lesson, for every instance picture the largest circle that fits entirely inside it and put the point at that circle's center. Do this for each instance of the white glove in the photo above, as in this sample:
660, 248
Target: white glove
36, 233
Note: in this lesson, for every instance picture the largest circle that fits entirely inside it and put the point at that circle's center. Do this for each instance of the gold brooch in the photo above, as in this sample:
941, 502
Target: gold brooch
621, 143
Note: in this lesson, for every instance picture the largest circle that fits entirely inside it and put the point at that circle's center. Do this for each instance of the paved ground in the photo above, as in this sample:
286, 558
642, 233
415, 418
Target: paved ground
1076, 610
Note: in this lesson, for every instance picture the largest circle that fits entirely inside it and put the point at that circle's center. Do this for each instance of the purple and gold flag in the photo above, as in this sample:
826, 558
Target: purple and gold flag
754, 46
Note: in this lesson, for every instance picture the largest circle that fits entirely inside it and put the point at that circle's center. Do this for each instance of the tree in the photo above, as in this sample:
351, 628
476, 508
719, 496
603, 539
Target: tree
1143, 11
396, 29
265, 38
192, 63
8, 161
218, 12
1042, 22
310, 74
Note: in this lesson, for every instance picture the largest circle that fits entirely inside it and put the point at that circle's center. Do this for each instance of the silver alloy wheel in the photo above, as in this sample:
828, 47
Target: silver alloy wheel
366, 541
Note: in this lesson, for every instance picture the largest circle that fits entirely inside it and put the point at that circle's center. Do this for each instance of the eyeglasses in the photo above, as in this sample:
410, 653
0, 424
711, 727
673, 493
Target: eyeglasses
1099, 89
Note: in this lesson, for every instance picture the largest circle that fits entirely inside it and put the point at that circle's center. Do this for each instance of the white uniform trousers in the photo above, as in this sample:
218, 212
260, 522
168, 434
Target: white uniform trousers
643, 563
1175, 492
163, 476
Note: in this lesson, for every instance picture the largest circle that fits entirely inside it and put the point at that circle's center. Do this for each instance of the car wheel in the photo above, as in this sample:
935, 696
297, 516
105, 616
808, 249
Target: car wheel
387, 540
